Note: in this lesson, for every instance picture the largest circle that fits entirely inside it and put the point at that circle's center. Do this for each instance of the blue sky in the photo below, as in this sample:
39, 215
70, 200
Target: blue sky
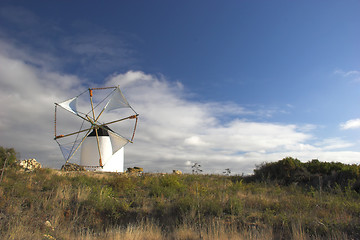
236, 83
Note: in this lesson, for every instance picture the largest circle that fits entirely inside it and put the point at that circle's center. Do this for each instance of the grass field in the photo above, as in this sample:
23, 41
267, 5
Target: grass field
50, 204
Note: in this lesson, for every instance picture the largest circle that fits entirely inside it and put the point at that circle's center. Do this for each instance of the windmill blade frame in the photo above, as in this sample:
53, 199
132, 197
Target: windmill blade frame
114, 100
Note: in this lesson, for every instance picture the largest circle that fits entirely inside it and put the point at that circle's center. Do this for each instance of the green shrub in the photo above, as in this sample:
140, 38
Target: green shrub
285, 171
183, 206
211, 207
168, 186
234, 207
320, 175
9, 154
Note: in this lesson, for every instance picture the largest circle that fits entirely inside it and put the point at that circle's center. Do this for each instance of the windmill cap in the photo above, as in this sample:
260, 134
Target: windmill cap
103, 131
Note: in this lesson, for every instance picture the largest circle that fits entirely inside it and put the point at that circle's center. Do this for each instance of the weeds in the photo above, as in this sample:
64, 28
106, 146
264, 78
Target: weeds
48, 204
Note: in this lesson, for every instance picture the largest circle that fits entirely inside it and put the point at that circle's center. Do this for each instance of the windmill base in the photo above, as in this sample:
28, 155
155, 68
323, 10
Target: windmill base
115, 163
90, 155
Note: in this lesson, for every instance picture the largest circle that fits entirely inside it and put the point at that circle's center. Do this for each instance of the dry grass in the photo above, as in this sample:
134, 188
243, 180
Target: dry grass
118, 206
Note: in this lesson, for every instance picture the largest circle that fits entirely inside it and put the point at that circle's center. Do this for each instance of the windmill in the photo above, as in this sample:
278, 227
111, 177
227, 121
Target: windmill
92, 121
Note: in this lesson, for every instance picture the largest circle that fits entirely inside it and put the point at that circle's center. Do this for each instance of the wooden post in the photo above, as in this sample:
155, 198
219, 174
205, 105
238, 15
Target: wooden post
3, 170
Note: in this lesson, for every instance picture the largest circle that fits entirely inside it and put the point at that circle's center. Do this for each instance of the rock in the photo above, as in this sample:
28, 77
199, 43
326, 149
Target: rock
177, 172
135, 170
29, 164
47, 224
72, 167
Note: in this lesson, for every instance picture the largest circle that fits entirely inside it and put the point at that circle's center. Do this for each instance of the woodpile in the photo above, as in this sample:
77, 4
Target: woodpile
72, 167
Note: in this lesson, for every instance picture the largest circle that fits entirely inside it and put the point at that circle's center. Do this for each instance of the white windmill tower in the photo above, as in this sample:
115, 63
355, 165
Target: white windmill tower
104, 113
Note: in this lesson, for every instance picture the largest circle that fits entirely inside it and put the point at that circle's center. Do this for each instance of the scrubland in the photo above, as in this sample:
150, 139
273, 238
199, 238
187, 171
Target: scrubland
83, 205
50, 204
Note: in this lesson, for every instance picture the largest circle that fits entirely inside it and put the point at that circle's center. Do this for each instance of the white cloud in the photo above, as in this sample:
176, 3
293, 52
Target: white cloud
194, 141
173, 131
307, 127
176, 130
27, 96
333, 143
351, 124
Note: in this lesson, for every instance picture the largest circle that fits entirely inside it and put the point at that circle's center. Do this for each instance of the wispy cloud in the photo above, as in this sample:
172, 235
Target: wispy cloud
353, 75
333, 143
88, 50
19, 16
351, 124
97, 50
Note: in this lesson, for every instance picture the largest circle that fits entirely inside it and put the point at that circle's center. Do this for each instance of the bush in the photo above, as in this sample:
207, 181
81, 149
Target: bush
9, 154
285, 171
313, 173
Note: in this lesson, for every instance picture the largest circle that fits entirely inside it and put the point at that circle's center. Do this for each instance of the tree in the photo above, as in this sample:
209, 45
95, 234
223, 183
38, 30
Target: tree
9, 154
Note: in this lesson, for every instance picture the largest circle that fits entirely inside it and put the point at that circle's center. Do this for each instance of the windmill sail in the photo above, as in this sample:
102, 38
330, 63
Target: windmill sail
116, 101
68, 149
70, 105
117, 141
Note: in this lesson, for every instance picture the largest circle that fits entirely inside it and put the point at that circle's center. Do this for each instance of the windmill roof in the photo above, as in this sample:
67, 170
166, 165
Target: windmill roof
101, 132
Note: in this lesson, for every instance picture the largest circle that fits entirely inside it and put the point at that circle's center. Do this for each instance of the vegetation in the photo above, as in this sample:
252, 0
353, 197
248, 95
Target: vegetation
279, 201
9, 155
328, 175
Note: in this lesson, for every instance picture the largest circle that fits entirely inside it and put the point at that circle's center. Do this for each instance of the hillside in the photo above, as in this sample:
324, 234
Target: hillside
51, 204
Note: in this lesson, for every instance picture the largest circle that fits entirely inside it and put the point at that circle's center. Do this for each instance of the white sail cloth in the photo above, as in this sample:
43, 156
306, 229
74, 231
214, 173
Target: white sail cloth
70, 105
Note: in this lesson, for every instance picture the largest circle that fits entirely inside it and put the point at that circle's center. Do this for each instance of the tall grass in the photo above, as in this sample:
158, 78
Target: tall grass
153, 206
